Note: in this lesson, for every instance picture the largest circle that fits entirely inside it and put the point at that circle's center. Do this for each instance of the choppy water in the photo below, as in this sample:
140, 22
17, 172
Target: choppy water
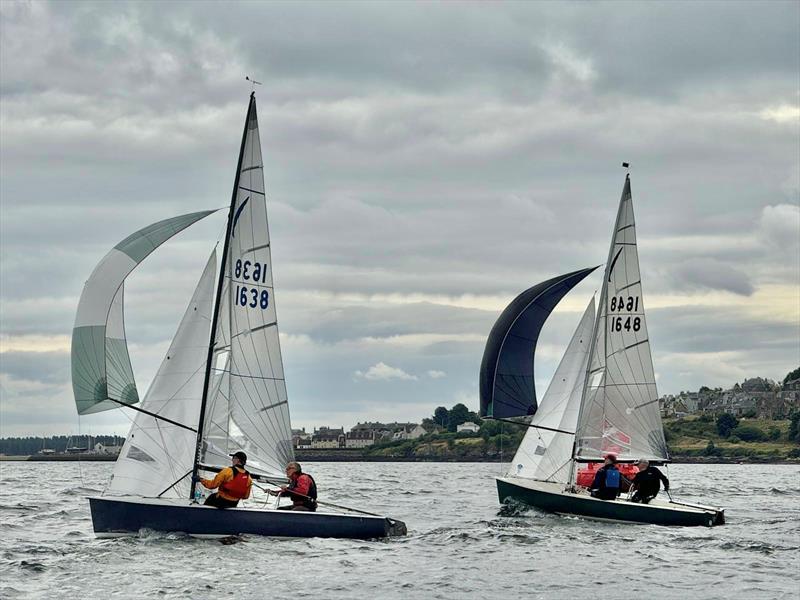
460, 545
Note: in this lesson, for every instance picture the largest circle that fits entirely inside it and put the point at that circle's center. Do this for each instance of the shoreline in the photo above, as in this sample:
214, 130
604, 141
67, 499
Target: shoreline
349, 456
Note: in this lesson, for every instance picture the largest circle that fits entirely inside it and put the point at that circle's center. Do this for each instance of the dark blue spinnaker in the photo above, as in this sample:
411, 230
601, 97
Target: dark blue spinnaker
507, 388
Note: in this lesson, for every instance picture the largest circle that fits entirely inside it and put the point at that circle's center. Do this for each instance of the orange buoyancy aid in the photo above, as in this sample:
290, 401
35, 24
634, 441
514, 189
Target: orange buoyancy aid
238, 487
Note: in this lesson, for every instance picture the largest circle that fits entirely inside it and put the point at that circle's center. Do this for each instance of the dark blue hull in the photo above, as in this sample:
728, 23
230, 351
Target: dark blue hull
552, 498
116, 516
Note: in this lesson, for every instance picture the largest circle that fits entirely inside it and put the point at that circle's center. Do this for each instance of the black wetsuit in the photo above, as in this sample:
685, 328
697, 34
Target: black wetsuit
600, 489
647, 483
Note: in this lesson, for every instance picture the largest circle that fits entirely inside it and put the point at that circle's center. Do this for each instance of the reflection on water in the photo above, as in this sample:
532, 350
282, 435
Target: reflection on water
461, 542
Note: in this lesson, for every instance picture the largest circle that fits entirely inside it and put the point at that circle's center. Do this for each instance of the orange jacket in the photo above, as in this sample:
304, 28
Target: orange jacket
222, 477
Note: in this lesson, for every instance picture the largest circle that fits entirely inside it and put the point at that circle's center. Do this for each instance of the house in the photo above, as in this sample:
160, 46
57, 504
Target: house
103, 449
360, 438
326, 437
468, 426
301, 439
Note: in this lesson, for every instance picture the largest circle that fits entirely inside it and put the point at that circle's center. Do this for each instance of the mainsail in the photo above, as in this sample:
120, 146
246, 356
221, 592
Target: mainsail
507, 387
545, 452
102, 377
246, 406
158, 453
620, 412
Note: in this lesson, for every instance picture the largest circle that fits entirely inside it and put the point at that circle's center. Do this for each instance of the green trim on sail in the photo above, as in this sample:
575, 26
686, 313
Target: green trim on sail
88, 366
138, 245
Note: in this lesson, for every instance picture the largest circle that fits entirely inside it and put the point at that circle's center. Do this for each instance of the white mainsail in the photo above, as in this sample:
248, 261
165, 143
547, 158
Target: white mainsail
619, 411
156, 453
247, 407
547, 455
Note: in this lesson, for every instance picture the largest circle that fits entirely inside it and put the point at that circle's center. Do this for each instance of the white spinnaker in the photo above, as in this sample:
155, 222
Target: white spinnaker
156, 454
547, 455
620, 411
250, 409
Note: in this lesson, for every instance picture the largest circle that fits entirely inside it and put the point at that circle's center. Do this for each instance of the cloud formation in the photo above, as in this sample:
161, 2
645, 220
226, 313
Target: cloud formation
424, 164
383, 372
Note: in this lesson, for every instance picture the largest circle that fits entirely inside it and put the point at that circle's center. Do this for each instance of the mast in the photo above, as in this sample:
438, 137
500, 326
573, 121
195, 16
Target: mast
600, 313
217, 302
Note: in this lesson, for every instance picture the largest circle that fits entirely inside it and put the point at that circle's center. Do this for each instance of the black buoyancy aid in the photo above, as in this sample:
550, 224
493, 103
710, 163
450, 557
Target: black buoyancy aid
238, 486
309, 501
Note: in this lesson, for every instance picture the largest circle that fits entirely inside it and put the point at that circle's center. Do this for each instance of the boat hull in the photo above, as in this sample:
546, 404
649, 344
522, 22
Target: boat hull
112, 517
551, 497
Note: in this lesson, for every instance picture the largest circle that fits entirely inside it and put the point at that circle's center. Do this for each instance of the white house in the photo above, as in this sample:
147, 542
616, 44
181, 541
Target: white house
468, 426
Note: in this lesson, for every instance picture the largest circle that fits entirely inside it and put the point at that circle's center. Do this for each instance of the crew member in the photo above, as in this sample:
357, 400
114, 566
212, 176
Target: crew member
647, 482
234, 483
301, 489
607, 480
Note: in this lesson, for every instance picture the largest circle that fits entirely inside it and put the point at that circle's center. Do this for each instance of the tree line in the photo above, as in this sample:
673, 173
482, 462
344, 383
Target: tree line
25, 446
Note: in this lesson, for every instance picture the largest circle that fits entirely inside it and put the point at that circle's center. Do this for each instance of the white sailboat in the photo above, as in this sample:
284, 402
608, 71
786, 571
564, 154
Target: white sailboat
602, 398
220, 388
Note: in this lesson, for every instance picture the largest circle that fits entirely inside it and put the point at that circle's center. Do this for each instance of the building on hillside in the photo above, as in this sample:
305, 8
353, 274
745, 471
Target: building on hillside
468, 426
360, 438
301, 439
408, 431
326, 437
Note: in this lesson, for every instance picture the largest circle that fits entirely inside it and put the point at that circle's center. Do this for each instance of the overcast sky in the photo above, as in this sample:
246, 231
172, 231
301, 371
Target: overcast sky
424, 164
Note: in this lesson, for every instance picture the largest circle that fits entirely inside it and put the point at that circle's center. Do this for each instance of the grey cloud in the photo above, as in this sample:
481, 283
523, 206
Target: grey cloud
438, 150
703, 273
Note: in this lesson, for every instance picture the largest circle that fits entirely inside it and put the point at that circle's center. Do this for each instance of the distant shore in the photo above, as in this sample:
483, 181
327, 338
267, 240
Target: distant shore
357, 456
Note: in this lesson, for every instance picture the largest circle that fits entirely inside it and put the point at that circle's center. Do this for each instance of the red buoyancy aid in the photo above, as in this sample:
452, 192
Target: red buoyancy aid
238, 486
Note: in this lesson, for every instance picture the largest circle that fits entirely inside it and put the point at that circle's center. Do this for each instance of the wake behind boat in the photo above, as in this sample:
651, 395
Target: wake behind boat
219, 390
602, 399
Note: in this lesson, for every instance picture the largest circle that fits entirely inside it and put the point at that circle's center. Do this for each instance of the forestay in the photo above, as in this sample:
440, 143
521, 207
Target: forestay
247, 406
544, 454
101, 366
619, 411
506, 385
156, 453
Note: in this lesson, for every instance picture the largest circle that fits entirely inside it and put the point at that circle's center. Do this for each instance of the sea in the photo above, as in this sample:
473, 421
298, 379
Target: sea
461, 543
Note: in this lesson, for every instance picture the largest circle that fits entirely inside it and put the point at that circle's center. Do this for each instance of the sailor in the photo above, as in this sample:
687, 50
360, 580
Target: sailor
234, 483
608, 480
647, 482
302, 489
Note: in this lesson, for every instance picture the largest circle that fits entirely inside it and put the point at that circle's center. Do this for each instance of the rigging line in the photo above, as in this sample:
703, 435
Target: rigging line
154, 415
175, 483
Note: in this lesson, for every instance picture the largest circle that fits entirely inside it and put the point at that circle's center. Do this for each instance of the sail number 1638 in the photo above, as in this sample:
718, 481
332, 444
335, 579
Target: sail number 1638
251, 297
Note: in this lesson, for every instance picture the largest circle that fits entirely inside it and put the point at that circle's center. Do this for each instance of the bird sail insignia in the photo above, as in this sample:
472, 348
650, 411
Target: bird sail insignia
102, 377
507, 387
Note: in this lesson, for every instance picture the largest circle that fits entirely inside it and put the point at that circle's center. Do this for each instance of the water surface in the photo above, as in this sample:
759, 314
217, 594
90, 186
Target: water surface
460, 543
